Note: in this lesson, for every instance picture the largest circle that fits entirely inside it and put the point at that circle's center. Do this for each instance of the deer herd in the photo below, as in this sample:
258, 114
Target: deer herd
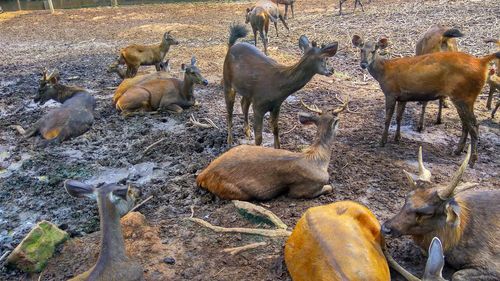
340, 241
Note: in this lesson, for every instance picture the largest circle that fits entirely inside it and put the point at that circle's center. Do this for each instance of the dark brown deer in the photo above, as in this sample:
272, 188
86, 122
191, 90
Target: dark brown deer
73, 118
260, 173
113, 202
265, 84
456, 75
356, 2
136, 55
259, 20
466, 222
272, 10
163, 94
437, 38
115, 68
286, 3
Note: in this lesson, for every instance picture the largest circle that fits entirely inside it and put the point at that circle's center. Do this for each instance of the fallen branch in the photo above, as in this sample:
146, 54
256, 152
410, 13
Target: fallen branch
19, 129
254, 231
4, 255
291, 130
258, 211
197, 123
237, 250
142, 203
153, 145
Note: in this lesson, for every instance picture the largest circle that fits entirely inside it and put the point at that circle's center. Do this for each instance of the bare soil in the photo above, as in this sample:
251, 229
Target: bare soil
81, 43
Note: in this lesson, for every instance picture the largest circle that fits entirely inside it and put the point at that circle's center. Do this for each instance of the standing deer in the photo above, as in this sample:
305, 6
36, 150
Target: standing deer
466, 222
114, 68
261, 173
265, 84
72, 119
286, 3
437, 38
259, 20
164, 94
273, 11
136, 55
456, 75
113, 201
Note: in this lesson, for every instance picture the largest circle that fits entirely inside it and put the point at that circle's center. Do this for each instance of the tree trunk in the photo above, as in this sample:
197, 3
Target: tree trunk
51, 6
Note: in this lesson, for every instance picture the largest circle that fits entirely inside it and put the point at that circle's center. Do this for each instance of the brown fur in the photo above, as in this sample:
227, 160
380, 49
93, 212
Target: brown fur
259, 20
273, 11
286, 3
494, 80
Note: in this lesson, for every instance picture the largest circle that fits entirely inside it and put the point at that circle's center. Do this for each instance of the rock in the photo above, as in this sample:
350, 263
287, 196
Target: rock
169, 260
33, 253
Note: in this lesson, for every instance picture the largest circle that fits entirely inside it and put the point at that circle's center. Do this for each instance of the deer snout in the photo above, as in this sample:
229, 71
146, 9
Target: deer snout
363, 65
387, 229
204, 82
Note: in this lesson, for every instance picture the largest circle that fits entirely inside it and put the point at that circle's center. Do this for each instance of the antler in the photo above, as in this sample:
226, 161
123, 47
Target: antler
423, 173
312, 108
342, 101
54, 73
344, 106
197, 123
446, 192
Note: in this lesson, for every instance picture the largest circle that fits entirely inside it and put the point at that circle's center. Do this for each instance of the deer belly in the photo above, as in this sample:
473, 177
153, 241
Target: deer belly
412, 96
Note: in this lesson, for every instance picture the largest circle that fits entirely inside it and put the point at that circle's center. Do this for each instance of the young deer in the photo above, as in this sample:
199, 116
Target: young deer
260, 173
73, 118
265, 84
437, 38
136, 55
113, 201
164, 94
456, 75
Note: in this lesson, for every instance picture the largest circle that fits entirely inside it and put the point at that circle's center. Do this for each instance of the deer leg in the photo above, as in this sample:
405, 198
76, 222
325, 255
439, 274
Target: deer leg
361, 4
274, 124
286, 11
230, 96
475, 274
291, 8
254, 35
495, 110
258, 119
305, 191
276, 27
421, 121
171, 108
245, 105
442, 102
490, 97
157, 66
461, 108
390, 104
264, 40
473, 128
399, 117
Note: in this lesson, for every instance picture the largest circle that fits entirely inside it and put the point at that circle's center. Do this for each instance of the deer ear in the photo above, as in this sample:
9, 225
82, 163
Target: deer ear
248, 10
121, 192
308, 119
304, 43
357, 41
183, 67
382, 43
79, 189
330, 50
435, 261
193, 60
452, 213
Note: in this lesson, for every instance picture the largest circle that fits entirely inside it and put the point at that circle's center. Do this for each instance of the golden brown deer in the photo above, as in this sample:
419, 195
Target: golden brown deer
273, 11
259, 19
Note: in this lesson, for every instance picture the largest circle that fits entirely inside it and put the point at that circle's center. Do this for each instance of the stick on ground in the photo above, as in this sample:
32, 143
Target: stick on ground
237, 250
258, 211
254, 231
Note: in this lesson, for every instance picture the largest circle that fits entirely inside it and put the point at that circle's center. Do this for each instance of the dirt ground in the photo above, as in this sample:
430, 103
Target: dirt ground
81, 43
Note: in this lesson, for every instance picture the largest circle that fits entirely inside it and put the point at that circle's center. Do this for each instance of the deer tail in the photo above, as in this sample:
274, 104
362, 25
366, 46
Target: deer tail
236, 31
452, 33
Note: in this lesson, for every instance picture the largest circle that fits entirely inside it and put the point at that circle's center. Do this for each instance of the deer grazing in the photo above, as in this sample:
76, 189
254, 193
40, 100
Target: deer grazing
114, 68
456, 75
261, 173
466, 222
265, 84
113, 201
342, 241
163, 94
286, 3
73, 118
356, 2
136, 55
437, 38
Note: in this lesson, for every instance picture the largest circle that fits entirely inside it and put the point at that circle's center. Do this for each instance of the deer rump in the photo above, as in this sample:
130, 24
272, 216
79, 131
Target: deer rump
253, 172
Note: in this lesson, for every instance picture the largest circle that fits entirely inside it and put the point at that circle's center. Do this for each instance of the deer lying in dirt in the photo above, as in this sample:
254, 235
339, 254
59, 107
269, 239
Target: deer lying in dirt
286, 3
163, 94
437, 38
456, 75
265, 84
342, 241
114, 68
467, 223
136, 55
113, 201
73, 118
260, 173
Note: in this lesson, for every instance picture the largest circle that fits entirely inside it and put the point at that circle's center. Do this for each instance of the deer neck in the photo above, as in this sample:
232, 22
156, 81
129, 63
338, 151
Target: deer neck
296, 76
376, 67
187, 87
320, 151
64, 93
164, 47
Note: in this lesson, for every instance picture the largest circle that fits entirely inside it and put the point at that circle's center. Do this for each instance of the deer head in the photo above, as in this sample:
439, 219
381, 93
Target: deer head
193, 74
317, 57
369, 50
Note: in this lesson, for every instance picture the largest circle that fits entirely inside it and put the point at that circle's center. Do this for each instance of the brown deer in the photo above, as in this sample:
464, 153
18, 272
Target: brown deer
467, 223
136, 55
113, 202
114, 68
493, 79
259, 19
273, 11
265, 84
286, 3
356, 2
73, 118
163, 94
261, 173
437, 38
456, 75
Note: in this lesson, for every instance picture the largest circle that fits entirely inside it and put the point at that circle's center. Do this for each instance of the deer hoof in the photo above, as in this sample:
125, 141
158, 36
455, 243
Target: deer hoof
327, 189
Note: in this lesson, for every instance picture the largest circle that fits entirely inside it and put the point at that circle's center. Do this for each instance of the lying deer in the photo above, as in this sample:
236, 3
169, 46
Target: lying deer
260, 173
437, 38
114, 68
72, 119
265, 84
286, 3
163, 94
342, 241
136, 55
113, 201
466, 222
456, 75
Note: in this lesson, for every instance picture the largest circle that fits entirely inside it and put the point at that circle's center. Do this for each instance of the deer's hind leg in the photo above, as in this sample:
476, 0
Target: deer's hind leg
275, 112
390, 104
306, 191
229, 96
475, 274
245, 106
399, 118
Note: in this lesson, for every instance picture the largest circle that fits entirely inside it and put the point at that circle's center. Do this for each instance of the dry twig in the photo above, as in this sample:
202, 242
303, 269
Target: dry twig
19, 129
197, 123
254, 231
142, 203
237, 250
153, 145
4, 255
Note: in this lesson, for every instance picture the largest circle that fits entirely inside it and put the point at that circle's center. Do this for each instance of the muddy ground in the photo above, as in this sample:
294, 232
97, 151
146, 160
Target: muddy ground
81, 43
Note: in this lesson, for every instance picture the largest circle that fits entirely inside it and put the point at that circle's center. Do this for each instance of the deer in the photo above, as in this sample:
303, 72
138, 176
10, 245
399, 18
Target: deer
113, 201
456, 75
437, 38
164, 94
343, 241
260, 173
73, 118
259, 19
264, 83
493, 79
114, 68
286, 3
466, 221
136, 55
273, 11
356, 2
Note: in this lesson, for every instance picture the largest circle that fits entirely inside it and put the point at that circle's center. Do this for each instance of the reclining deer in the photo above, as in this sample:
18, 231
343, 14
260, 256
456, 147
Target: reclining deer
456, 75
261, 173
265, 84
467, 222
155, 92
136, 55
72, 119
113, 202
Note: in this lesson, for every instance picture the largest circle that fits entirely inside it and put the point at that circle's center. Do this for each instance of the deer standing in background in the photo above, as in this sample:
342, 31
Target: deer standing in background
113, 202
286, 3
265, 84
259, 19
273, 11
136, 55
